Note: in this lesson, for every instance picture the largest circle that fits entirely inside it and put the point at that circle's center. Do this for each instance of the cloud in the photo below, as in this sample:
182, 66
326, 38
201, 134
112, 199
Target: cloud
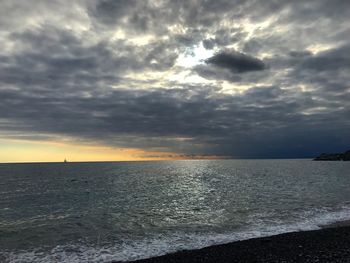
300, 54
232, 66
334, 59
236, 62
153, 119
109, 72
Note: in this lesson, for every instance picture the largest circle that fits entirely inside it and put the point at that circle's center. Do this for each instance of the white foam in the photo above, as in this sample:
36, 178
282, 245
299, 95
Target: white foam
171, 242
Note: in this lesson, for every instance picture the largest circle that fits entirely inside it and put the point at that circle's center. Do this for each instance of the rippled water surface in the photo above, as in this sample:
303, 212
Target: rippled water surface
99, 212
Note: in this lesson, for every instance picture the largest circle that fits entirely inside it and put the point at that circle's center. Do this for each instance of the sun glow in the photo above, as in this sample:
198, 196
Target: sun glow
32, 151
194, 56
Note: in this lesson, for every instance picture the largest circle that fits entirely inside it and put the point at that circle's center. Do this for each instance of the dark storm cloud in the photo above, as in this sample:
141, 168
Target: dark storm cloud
261, 115
236, 62
98, 71
232, 66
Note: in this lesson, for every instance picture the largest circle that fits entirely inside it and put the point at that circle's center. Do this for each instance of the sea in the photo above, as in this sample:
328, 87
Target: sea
118, 211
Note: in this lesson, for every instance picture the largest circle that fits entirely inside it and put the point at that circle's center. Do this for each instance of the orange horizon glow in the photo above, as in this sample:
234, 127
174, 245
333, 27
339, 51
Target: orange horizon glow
16, 151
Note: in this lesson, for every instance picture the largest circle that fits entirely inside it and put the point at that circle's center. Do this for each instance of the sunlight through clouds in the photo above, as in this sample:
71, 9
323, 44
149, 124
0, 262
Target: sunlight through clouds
240, 78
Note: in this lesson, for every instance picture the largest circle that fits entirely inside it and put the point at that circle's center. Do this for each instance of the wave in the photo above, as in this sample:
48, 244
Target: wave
160, 244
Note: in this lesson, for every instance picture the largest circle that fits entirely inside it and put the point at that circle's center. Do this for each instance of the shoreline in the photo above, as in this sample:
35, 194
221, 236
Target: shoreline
331, 243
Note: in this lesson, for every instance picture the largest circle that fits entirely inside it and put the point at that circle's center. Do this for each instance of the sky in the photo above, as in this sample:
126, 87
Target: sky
149, 80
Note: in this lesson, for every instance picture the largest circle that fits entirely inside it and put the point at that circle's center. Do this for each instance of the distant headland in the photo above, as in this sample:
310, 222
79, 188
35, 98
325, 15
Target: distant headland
334, 156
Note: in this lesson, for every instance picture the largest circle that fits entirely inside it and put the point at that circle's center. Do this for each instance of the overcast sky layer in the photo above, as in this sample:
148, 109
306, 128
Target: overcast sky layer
244, 79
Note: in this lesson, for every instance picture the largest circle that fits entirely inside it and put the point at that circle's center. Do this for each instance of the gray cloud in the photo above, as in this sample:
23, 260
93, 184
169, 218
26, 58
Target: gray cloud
223, 125
300, 54
334, 59
107, 71
236, 62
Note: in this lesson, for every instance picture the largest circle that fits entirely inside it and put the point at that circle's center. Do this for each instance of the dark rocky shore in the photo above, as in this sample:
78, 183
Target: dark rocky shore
334, 156
325, 245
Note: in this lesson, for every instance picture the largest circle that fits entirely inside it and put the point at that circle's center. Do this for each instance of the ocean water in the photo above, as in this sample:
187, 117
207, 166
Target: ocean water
99, 212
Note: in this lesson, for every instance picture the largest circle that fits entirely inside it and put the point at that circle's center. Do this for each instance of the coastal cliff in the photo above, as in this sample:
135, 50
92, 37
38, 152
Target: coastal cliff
334, 157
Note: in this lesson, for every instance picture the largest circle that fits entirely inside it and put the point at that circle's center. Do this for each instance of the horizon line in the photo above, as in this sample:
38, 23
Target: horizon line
163, 160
